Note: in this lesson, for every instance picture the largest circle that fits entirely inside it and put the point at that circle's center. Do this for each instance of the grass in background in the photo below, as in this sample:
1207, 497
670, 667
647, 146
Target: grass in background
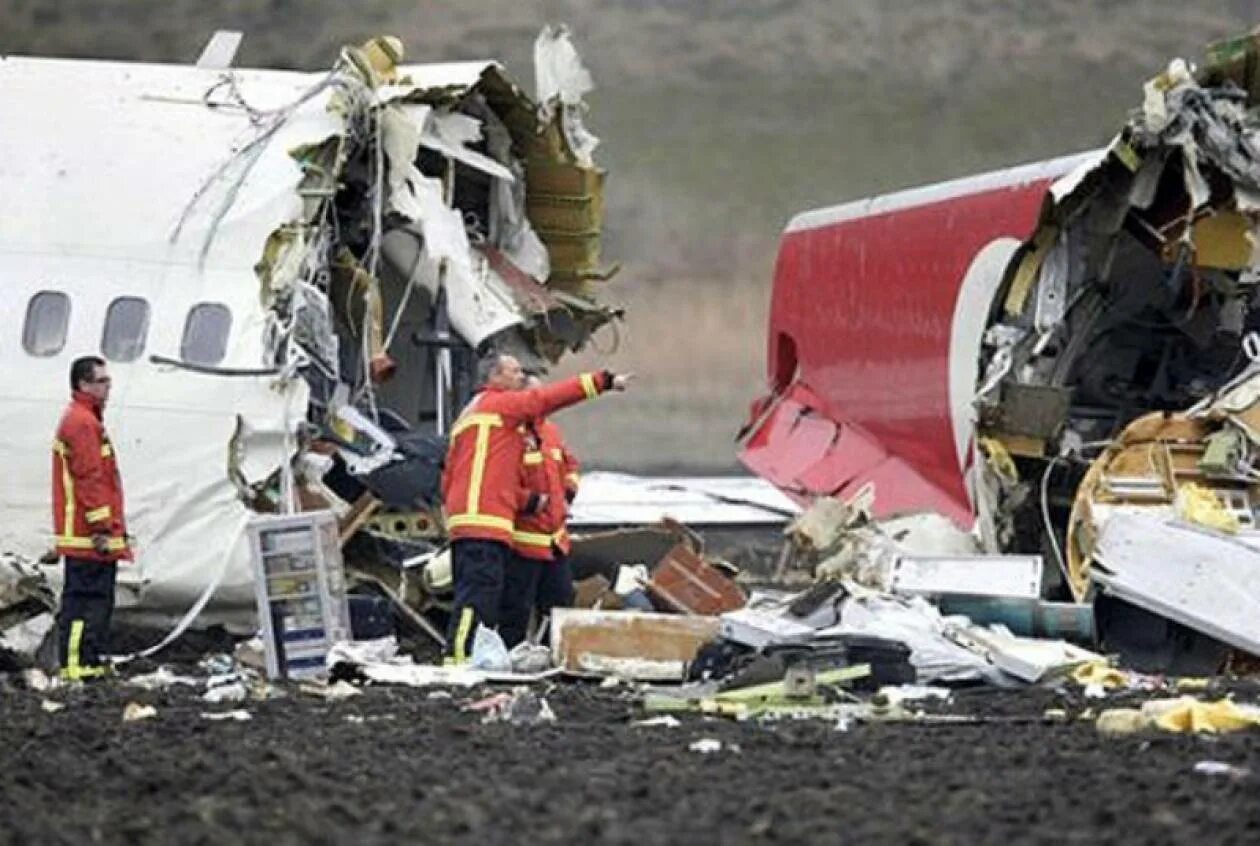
697, 348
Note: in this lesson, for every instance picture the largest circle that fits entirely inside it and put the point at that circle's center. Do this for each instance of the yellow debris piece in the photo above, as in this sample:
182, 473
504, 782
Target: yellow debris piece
1029, 266
1197, 504
1223, 240
1183, 715
1119, 721
1000, 459
384, 54
1099, 673
1190, 716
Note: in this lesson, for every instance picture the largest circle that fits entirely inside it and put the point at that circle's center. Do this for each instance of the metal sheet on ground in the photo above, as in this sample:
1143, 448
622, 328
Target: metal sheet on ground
968, 575
1208, 582
617, 499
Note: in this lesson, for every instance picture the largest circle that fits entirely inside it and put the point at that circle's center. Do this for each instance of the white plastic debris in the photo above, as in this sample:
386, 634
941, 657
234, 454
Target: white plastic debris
528, 657
706, 745
1095, 690
630, 577
38, 680
663, 721
51, 707
759, 629
340, 690
240, 715
1220, 768
1028, 659
26, 637
896, 694
160, 678
218, 664
234, 691
920, 626
633, 669
422, 675
356, 652
1201, 579
561, 80
558, 69
489, 652
135, 711
250, 653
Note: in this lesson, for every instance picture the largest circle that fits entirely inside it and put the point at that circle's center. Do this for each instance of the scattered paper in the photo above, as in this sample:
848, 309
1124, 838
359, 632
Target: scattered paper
239, 715
663, 721
1220, 768
135, 711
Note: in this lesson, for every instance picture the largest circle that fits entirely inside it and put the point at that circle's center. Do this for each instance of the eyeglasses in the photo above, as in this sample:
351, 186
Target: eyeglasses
104, 380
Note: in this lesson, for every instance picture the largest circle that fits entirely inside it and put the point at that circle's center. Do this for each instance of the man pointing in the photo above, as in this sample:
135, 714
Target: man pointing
482, 489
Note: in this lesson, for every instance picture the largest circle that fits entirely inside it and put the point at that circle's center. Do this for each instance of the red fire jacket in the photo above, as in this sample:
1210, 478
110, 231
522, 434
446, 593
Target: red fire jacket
552, 470
86, 487
481, 482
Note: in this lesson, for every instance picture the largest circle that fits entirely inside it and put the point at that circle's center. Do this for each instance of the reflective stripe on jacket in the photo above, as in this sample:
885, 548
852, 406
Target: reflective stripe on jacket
481, 482
546, 470
87, 491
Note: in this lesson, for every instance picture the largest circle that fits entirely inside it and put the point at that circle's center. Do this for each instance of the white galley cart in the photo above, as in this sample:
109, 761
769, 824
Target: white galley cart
301, 590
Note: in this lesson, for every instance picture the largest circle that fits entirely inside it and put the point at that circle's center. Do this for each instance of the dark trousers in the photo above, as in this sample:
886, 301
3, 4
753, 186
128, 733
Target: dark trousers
555, 586
87, 605
531, 584
477, 567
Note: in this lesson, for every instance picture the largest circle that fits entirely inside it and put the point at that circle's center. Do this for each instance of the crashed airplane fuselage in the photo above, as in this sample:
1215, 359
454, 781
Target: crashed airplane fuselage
283, 270
967, 347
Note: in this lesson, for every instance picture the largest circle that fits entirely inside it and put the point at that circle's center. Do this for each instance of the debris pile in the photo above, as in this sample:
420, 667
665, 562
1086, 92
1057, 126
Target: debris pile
1076, 453
27, 604
1118, 371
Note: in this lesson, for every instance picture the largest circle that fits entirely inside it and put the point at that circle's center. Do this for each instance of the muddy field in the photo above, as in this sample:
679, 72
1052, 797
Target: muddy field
404, 765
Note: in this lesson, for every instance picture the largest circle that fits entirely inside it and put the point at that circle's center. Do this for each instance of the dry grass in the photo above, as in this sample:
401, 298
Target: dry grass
697, 347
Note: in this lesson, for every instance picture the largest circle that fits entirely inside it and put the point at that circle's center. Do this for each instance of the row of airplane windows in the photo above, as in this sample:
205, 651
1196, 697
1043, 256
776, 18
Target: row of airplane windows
126, 328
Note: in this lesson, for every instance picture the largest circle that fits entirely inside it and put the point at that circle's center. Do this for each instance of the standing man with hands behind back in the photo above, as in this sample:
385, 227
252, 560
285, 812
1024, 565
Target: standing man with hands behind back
91, 534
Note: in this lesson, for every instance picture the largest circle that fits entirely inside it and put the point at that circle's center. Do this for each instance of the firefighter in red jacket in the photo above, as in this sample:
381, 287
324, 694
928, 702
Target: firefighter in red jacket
482, 490
540, 577
88, 522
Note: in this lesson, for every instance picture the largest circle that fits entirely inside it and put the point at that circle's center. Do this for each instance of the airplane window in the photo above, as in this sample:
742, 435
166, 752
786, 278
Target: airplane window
126, 325
47, 318
206, 333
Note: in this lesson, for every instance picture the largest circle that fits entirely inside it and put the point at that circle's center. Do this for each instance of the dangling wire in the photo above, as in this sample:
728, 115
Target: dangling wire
1045, 516
268, 123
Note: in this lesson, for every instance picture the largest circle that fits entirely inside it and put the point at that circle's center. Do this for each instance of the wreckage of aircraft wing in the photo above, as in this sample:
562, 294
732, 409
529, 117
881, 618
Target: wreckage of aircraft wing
280, 267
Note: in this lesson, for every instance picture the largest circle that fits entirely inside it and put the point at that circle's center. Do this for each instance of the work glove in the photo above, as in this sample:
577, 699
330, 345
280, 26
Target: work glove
618, 381
100, 543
